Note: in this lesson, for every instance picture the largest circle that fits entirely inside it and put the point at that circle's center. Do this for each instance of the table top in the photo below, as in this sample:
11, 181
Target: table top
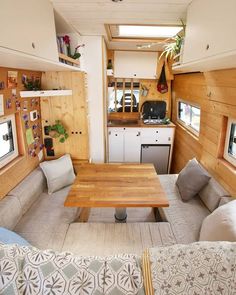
116, 185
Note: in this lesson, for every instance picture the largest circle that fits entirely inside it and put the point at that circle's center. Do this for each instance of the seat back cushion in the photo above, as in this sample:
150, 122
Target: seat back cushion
220, 225
192, 178
59, 173
10, 212
212, 193
28, 190
9, 237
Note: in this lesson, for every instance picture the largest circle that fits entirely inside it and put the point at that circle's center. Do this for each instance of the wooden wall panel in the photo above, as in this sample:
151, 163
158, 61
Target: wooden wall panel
19, 168
215, 93
71, 110
153, 94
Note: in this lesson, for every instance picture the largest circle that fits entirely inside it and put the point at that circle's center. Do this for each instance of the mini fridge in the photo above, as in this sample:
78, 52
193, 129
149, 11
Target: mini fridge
158, 155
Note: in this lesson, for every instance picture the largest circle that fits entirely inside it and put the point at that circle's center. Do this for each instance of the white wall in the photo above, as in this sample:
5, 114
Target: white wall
92, 63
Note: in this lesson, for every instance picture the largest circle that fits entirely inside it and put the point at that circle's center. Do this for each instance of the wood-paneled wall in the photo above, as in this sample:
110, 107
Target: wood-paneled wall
70, 110
215, 93
19, 168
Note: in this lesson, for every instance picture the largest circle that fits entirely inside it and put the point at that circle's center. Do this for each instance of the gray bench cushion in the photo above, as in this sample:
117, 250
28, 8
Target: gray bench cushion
10, 212
185, 218
45, 224
29, 189
113, 238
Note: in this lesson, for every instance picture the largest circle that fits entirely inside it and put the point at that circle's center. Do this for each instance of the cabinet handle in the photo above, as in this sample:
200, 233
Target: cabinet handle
138, 134
156, 140
115, 134
169, 138
156, 131
33, 45
207, 47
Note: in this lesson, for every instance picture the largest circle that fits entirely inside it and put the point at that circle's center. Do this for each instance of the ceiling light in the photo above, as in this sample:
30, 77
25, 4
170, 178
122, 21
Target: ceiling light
148, 31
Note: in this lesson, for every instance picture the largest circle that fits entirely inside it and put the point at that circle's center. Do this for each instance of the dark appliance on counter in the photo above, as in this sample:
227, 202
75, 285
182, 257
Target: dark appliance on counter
154, 112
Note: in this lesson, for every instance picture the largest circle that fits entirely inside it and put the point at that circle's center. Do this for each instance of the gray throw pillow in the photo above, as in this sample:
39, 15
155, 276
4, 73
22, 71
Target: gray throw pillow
59, 173
220, 225
191, 180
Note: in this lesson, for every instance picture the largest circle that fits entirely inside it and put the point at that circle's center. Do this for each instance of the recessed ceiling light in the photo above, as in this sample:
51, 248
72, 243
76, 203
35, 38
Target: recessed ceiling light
148, 31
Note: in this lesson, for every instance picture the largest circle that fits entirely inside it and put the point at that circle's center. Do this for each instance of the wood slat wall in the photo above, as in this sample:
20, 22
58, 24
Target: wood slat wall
70, 110
19, 168
215, 93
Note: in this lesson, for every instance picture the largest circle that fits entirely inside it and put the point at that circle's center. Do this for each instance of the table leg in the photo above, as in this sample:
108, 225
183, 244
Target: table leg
120, 215
84, 215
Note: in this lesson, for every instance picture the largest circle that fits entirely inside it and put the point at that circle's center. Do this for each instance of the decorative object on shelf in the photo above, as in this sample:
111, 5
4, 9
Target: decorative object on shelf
58, 131
76, 54
32, 84
144, 90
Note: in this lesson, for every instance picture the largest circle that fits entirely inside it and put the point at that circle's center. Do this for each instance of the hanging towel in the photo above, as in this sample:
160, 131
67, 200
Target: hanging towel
162, 86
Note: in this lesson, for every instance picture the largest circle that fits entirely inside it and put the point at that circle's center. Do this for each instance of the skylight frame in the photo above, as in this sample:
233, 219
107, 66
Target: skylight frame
114, 36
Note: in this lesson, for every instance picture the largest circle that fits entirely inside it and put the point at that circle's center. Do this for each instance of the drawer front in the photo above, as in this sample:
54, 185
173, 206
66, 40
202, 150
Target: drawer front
157, 135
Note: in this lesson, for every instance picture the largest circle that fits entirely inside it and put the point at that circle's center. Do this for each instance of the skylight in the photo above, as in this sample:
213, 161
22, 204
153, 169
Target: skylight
148, 31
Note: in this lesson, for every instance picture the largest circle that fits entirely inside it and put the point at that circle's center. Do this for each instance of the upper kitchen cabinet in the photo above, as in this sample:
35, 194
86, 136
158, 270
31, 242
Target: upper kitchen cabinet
202, 32
131, 64
28, 26
209, 43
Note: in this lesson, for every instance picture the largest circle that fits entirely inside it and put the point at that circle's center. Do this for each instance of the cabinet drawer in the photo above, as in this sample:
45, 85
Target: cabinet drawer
157, 135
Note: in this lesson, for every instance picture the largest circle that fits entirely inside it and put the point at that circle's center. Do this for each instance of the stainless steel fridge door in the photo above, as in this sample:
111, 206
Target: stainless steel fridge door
158, 155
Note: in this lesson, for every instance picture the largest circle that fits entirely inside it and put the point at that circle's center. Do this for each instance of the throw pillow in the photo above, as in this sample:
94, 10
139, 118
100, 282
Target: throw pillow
191, 180
59, 173
220, 225
211, 194
9, 237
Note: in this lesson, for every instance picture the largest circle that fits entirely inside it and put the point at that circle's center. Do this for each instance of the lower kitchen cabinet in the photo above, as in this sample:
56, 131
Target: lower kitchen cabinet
124, 145
144, 144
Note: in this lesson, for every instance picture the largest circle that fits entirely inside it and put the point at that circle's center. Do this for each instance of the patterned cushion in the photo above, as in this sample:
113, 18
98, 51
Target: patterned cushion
196, 269
26, 270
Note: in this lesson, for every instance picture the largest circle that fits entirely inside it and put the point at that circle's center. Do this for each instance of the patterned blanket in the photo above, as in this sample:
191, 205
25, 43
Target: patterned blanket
206, 268
29, 271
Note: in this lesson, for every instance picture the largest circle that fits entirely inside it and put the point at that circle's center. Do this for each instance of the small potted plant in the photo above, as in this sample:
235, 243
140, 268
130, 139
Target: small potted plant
58, 131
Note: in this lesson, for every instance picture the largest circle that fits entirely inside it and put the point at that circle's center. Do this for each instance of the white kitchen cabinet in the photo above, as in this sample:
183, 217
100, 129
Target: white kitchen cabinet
210, 29
28, 26
124, 145
116, 144
132, 145
131, 64
157, 135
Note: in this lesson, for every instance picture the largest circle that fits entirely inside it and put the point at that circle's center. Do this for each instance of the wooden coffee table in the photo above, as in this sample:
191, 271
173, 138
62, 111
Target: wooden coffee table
116, 185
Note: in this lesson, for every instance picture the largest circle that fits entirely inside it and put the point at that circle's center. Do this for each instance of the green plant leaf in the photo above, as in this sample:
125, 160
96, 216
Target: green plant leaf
62, 139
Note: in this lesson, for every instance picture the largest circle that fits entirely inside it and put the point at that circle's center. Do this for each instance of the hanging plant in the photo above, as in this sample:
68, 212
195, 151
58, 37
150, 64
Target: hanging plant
174, 48
58, 131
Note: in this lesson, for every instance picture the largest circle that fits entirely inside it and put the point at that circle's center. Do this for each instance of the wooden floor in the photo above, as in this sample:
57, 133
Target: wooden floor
134, 215
102, 239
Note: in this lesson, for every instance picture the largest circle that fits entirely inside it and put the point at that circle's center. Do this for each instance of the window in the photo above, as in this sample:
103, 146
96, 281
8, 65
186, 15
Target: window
8, 140
230, 142
189, 115
143, 31
123, 96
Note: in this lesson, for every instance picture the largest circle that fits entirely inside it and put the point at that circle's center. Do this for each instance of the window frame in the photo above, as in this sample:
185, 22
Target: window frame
184, 124
226, 154
12, 155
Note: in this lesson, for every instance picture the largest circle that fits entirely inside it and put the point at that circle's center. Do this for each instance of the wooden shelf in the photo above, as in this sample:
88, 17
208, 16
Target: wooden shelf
69, 59
41, 93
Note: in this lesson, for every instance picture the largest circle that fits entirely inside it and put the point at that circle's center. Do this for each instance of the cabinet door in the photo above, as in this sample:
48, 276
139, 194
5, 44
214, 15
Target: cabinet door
210, 25
28, 26
132, 145
116, 144
135, 64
